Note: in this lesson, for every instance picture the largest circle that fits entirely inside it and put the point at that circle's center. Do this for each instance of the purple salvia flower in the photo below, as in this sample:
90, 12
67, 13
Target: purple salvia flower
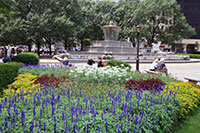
99, 129
134, 131
117, 125
5, 99
122, 126
106, 126
44, 126
136, 120
41, 113
8, 112
118, 130
53, 110
88, 128
74, 128
63, 115
55, 128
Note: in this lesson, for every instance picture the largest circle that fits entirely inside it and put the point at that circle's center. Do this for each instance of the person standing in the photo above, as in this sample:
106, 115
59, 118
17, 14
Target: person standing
9, 53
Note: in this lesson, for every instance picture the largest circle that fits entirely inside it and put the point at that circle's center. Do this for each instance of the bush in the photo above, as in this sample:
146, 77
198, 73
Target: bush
196, 56
27, 58
149, 84
8, 71
118, 63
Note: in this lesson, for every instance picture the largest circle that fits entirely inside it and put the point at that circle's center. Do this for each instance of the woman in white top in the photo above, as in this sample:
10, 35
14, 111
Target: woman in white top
154, 65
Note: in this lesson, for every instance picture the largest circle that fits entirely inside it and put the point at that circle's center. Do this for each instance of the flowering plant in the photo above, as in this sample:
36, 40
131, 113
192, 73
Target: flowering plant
187, 95
24, 83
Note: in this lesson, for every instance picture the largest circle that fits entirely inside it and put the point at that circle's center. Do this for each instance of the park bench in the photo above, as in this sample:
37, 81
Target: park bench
154, 72
192, 79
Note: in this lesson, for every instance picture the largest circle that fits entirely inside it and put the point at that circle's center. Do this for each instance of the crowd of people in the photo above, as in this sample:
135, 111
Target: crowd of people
9, 52
158, 65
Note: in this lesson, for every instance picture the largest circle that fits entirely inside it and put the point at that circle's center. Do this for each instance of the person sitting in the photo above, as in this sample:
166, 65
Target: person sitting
154, 65
100, 62
162, 67
90, 61
66, 61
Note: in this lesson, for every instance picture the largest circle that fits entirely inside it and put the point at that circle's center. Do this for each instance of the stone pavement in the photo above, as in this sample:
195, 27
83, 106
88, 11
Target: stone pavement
177, 70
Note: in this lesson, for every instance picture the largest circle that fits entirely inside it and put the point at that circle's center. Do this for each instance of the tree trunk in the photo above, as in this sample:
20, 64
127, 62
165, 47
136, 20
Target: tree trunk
50, 48
38, 48
81, 45
29, 48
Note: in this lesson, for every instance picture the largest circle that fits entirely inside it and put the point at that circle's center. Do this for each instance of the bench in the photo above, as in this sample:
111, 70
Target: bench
192, 79
153, 72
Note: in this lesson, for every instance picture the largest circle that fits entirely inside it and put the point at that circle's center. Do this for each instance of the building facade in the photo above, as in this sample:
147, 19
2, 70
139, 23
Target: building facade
191, 10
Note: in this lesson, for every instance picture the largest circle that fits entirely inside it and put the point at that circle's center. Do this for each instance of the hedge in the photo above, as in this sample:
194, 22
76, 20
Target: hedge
8, 72
27, 58
196, 56
118, 63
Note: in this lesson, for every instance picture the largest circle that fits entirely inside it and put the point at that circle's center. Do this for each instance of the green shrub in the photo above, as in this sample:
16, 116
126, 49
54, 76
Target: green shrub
27, 58
118, 63
8, 73
196, 56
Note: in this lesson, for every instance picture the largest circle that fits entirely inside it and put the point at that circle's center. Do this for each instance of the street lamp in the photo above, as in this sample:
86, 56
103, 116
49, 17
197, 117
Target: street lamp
138, 29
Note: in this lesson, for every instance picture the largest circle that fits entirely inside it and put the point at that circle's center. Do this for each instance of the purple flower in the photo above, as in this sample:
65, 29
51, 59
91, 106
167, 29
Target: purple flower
117, 125
53, 110
167, 109
44, 126
63, 115
55, 128
88, 128
74, 128
99, 129
41, 113
134, 131
54, 118
106, 126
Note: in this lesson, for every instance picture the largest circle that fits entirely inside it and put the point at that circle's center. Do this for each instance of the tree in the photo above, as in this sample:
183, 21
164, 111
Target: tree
41, 21
162, 21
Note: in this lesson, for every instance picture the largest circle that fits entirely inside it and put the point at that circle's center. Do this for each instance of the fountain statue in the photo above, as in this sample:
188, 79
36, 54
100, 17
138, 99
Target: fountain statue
111, 31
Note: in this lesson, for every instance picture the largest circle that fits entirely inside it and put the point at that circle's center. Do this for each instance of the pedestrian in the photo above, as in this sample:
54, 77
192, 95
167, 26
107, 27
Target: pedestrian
101, 63
13, 53
9, 53
162, 67
5, 51
90, 61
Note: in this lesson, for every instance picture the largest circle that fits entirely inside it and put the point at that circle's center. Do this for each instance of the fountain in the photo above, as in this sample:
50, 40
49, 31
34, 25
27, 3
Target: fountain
110, 44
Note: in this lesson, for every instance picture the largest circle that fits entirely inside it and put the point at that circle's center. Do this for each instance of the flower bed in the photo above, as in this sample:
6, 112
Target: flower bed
93, 100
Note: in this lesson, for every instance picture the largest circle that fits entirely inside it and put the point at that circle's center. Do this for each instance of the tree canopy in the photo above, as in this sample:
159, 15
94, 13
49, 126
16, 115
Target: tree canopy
48, 21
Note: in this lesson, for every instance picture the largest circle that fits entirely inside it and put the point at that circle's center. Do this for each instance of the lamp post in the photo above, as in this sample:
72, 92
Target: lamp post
138, 29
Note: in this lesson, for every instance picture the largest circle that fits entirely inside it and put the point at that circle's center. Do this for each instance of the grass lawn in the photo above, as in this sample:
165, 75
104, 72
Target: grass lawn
191, 124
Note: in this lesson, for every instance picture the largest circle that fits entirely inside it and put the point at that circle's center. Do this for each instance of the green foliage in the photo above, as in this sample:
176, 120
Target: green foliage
118, 63
189, 124
195, 56
8, 71
27, 58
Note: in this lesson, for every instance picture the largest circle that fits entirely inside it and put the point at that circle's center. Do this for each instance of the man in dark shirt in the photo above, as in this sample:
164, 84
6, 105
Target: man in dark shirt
90, 61
162, 67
